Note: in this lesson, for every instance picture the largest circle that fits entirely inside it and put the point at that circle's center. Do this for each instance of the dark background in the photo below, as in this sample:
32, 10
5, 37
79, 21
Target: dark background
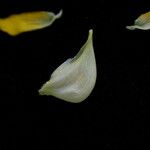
113, 116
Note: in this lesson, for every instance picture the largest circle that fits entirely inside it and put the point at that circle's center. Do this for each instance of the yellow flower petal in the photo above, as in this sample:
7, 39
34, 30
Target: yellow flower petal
29, 21
142, 22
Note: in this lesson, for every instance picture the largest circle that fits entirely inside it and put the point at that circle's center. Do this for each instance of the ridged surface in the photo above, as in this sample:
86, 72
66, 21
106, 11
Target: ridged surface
142, 22
74, 80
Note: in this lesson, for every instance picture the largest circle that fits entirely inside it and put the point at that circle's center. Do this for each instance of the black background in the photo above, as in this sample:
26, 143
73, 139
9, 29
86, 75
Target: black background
113, 116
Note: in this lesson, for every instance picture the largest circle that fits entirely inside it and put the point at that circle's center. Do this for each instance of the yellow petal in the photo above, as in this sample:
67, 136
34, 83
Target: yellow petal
143, 19
142, 22
29, 21
74, 80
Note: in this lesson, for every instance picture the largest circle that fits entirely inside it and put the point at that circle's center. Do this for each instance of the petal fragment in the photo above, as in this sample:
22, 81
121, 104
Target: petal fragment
74, 80
142, 22
28, 21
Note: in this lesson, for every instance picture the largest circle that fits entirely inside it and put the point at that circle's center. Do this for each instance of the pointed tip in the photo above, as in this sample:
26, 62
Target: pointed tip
45, 89
59, 14
130, 27
90, 32
41, 92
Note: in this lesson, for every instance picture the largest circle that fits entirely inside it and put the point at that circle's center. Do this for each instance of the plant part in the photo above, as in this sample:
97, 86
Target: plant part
74, 80
28, 21
142, 22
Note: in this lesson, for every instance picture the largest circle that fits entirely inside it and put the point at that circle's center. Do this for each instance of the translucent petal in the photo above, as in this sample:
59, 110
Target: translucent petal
74, 80
142, 22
